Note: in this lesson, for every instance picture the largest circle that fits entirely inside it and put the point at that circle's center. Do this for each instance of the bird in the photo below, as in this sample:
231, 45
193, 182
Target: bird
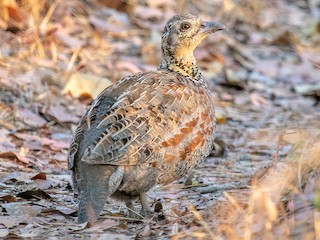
149, 128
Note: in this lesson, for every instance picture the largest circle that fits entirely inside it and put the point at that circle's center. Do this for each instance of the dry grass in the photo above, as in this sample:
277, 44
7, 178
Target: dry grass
283, 201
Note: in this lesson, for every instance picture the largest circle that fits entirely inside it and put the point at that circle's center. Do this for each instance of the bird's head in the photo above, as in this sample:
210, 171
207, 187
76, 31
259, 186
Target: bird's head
184, 32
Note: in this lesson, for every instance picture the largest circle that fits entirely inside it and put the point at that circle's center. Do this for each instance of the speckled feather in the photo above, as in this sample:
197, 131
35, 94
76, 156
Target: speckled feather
149, 128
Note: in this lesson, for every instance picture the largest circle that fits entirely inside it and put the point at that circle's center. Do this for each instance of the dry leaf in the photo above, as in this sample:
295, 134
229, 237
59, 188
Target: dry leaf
101, 226
10, 221
38, 193
62, 114
4, 232
8, 198
21, 209
55, 145
13, 155
82, 84
69, 41
30, 118
16, 13
40, 175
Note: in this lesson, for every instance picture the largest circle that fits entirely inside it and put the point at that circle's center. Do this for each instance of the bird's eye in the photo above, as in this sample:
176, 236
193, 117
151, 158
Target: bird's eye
185, 26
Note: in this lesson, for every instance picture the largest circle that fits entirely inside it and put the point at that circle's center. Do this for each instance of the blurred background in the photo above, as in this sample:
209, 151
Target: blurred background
57, 56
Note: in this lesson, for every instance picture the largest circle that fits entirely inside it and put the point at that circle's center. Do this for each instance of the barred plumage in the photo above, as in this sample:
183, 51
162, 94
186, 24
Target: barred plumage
149, 128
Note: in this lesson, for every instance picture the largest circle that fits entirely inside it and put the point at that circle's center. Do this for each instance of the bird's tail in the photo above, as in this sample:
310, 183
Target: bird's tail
96, 184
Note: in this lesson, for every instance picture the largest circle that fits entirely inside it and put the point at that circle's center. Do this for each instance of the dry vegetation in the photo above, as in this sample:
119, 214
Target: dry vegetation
55, 56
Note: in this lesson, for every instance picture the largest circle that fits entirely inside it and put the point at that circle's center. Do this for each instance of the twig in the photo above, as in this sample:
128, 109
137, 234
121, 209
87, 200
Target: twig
124, 218
222, 187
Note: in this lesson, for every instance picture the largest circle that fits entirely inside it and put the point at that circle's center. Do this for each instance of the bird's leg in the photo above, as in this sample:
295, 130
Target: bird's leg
132, 210
145, 210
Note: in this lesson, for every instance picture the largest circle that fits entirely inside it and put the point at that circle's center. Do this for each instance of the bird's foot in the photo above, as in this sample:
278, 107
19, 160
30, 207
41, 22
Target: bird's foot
145, 214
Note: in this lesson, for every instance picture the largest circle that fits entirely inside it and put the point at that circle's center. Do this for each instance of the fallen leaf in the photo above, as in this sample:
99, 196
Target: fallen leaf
81, 84
10, 176
146, 232
44, 184
13, 155
16, 13
38, 193
40, 175
31, 231
55, 145
61, 157
101, 226
220, 118
32, 142
68, 40
158, 207
65, 210
307, 89
175, 228
21, 209
59, 210
113, 236
10, 221
77, 227
4, 232
62, 114
8, 198
30, 118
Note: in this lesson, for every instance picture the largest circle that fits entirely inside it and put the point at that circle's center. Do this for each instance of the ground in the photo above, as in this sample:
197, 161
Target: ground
262, 180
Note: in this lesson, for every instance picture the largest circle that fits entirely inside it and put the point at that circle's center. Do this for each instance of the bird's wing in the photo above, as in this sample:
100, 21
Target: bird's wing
131, 121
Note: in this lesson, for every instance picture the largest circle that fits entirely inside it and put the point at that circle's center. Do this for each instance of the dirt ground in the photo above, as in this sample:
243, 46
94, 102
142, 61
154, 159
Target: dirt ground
262, 180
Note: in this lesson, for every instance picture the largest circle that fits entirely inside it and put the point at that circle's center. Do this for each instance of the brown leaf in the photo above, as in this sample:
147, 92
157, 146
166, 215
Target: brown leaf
54, 145
62, 114
30, 118
38, 193
40, 175
146, 232
10, 221
16, 13
8, 198
65, 210
101, 226
21, 209
5, 144
58, 210
158, 207
13, 155
81, 84
121, 6
44, 184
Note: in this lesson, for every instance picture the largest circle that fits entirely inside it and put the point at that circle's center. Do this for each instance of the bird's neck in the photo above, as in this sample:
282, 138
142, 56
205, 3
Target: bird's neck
183, 64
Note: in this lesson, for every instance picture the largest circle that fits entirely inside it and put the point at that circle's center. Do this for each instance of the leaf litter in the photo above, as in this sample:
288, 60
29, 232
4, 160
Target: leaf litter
261, 181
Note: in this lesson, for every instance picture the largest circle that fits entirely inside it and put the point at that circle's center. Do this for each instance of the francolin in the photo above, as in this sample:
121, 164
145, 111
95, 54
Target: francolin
149, 128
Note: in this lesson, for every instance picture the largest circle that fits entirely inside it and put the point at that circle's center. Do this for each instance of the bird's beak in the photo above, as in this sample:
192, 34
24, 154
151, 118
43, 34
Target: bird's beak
211, 27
